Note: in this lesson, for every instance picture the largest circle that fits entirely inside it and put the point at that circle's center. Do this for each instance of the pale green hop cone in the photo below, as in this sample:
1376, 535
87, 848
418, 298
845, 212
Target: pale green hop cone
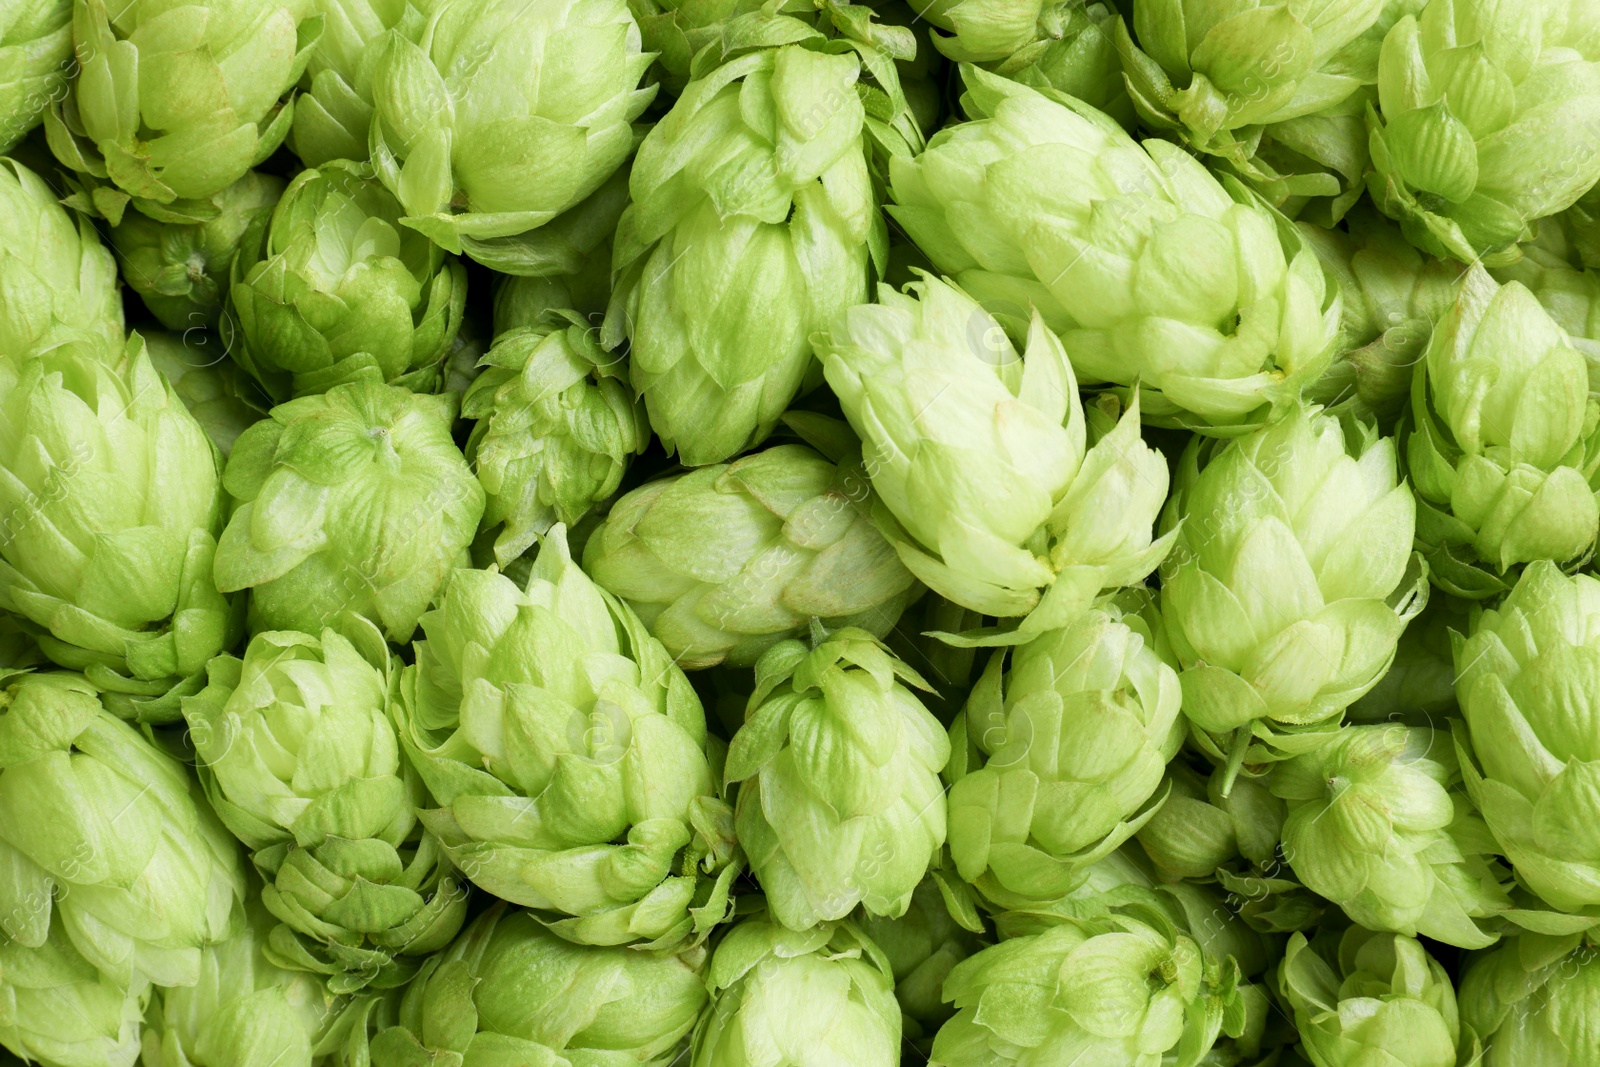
566, 753
353, 500
106, 837
557, 425
302, 763
332, 287
726, 561
55, 275
779, 997
838, 762
113, 505
1060, 759
1378, 824
1504, 441
1527, 751
1366, 998
504, 113
510, 991
984, 455
752, 221
57, 1008
1488, 119
1151, 270
173, 104
1290, 583
179, 266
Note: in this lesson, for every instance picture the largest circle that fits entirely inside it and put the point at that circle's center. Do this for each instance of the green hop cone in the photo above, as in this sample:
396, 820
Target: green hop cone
1393, 295
1504, 441
302, 763
556, 428
353, 500
220, 396
1375, 826
1274, 90
567, 754
56, 1008
1363, 997
179, 267
840, 801
505, 113
825, 995
984, 456
1151, 270
333, 287
1527, 751
174, 103
111, 502
1532, 1001
726, 561
1554, 269
1125, 989
1488, 119
753, 213
984, 31
333, 113
245, 1011
35, 59
55, 275
510, 991
1290, 583
922, 946
1075, 52
105, 832
1061, 759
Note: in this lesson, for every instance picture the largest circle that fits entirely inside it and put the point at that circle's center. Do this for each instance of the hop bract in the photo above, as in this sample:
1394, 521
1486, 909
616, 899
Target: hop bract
749, 230
1505, 449
1289, 584
55, 275
483, 128
1057, 761
355, 500
179, 266
840, 801
35, 58
333, 287
1363, 997
1488, 119
566, 752
1532, 1001
557, 426
1373, 826
1527, 753
1150, 269
105, 835
303, 765
726, 561
510, 991
173, 104
781, 996
220, 396
111, 504
983, 456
